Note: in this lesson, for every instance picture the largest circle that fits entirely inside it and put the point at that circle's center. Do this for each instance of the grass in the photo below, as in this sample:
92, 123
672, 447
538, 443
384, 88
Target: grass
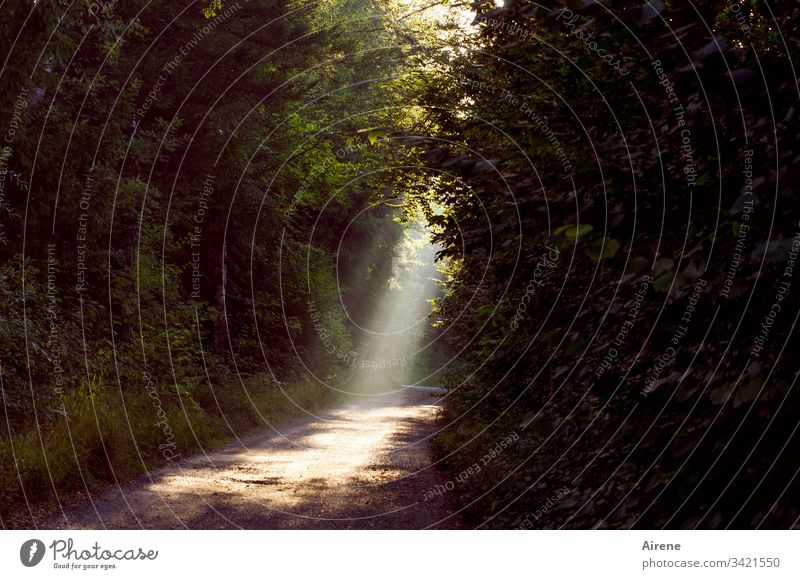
109, 435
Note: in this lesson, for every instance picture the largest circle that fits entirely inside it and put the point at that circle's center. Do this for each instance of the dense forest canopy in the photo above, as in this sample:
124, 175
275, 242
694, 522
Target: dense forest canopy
206, 208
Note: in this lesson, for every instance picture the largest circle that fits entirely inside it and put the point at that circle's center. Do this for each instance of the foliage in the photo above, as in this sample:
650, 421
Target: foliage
168, 184
550, 146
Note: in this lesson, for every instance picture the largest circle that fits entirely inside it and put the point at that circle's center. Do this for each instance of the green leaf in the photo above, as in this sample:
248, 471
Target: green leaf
638, 264
663, 283
720, 395
375, 133
574, 232
602, 249
662, 265
748, 392
694, 270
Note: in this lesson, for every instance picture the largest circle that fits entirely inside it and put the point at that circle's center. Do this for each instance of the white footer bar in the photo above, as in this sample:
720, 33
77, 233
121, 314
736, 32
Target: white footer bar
401, 554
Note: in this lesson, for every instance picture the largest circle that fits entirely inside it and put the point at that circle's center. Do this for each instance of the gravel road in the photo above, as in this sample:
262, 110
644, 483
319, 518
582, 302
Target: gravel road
364, 464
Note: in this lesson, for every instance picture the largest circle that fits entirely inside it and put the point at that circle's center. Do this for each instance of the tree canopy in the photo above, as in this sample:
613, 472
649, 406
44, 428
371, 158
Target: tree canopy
193, 193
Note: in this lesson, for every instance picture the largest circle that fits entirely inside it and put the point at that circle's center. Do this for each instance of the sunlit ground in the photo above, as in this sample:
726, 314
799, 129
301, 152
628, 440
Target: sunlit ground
359, 465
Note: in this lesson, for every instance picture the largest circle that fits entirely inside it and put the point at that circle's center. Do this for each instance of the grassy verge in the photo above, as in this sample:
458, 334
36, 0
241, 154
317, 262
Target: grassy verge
106, 434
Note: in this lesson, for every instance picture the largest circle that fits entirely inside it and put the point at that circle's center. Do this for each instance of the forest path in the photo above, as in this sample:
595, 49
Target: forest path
364, 464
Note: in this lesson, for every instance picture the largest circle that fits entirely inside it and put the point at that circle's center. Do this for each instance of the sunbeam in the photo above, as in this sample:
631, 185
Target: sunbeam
392, 341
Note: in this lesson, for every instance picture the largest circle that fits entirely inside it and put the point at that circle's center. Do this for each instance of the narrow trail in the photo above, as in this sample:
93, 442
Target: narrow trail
361, 465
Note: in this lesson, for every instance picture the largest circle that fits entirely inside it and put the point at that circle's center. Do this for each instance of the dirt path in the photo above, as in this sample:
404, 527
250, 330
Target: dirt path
361, 465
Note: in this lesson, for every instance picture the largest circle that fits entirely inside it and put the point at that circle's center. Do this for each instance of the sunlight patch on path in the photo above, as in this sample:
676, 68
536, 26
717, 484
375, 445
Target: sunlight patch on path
361, 465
